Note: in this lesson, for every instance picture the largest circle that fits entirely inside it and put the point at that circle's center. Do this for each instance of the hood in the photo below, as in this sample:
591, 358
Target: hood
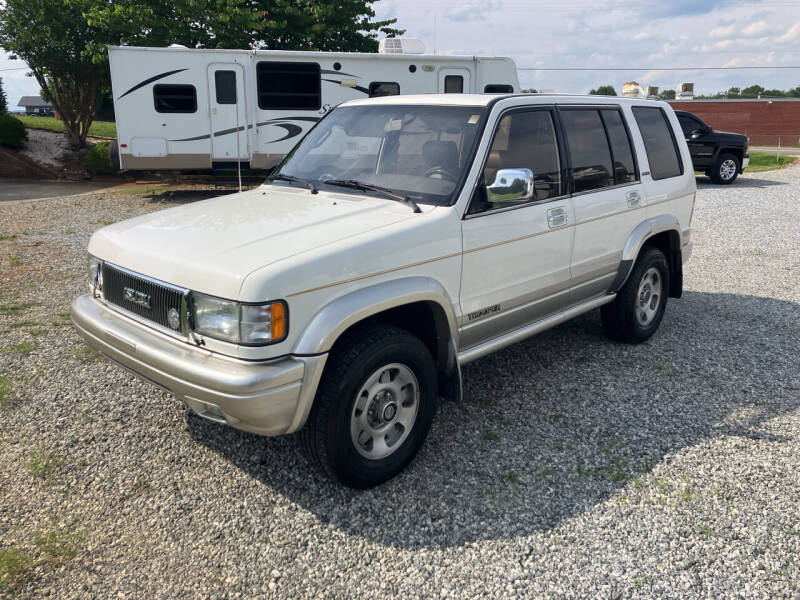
212, 245
730, 136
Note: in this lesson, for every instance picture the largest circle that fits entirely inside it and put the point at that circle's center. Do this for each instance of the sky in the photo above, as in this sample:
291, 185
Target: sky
599, 34
594, 34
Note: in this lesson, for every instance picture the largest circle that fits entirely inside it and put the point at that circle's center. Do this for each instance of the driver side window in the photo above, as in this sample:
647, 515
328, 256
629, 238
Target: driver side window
523, 140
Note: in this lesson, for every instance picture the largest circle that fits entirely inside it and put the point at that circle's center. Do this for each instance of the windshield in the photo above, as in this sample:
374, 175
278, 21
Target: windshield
420, 152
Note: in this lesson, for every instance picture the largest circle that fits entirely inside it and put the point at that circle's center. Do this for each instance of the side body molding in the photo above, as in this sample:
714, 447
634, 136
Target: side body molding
638, 237
337, 316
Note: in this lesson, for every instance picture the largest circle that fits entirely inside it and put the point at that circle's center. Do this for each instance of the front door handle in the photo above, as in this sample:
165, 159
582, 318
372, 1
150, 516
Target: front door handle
557, 217
634, 199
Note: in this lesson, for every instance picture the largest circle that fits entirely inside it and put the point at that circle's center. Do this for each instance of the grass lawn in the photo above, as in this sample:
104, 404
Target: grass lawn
764, 161
98, 128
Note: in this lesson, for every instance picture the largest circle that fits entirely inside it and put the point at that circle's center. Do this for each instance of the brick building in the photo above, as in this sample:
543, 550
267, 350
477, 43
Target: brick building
767, 122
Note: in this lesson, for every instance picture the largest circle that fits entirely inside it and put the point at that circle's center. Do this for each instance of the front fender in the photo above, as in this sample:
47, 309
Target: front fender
644, 230
342, 313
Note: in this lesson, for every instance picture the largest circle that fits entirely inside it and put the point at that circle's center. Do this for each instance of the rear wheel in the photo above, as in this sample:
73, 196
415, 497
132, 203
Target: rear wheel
636, 312
373, 409
725, 169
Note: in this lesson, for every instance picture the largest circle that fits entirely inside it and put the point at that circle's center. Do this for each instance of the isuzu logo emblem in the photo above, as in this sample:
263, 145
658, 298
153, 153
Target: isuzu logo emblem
174, 319
137, 297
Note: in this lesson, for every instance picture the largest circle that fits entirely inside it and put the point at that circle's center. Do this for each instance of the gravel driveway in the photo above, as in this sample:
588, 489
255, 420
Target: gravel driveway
576, 467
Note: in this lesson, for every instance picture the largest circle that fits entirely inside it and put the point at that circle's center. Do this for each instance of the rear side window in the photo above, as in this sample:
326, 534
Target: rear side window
288, 85
621, 153
225, 85
659, 142
498, 88
453, 84
383, 88
175, 98
589, 149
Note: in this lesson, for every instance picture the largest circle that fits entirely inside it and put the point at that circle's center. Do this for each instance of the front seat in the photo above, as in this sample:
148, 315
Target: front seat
441, 155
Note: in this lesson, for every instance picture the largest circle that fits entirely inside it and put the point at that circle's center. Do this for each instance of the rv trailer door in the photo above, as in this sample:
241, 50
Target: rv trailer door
228, 108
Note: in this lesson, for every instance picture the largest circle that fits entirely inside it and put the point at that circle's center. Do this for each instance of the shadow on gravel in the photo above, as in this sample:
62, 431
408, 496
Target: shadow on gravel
753, 180
557, 424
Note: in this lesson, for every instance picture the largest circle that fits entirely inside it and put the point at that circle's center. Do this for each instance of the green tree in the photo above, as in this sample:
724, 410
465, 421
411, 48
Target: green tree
344, 25
3, 100
191, 23
604, 90
667, 95
752, 91
530, 91
52, 36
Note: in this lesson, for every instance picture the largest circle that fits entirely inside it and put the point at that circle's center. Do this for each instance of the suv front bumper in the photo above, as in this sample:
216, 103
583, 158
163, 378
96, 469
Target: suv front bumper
269, 398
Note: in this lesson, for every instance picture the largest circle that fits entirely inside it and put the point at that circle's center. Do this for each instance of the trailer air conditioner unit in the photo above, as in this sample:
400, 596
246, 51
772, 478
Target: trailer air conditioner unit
401, 46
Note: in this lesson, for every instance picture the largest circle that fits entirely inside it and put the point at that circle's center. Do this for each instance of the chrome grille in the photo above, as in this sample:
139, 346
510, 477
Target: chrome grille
147, 298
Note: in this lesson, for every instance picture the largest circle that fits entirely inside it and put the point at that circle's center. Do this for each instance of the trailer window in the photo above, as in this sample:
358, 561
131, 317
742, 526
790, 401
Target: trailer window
498, 88
175, 98
225, 84
453, 84
288, 85
383, 88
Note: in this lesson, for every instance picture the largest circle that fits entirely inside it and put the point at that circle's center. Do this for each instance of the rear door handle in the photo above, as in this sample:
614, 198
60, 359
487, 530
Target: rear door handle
557, 217
634, 199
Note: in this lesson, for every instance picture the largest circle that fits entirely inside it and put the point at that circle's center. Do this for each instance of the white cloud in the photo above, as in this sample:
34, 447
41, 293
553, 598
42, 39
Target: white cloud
791, 34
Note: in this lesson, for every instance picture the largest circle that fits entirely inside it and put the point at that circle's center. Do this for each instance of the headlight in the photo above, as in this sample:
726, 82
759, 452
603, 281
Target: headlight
239, 323
96, 273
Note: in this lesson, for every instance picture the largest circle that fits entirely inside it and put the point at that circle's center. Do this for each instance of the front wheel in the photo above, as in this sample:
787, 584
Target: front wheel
725, 169
373, 409
636, 312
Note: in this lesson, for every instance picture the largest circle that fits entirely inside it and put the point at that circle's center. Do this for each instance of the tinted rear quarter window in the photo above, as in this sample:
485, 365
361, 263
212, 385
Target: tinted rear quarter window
175, 98
622, 155
588, 147
659, 142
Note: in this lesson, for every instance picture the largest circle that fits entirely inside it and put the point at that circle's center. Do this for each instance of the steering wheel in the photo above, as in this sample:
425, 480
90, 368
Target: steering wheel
442, 172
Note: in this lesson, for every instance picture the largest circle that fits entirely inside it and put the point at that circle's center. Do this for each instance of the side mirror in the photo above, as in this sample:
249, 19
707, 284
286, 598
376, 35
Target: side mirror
697, 133
511, 185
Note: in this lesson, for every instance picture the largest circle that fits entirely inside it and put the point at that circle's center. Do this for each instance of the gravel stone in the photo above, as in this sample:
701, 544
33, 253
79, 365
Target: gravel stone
574, 468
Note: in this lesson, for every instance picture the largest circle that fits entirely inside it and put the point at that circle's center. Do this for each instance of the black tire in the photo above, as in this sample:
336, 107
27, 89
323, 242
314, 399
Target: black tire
113, 153
726, 169
326, 439
620, 317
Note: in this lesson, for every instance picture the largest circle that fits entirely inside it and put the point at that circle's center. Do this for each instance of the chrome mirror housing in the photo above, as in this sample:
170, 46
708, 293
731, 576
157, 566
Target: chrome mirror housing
511, 185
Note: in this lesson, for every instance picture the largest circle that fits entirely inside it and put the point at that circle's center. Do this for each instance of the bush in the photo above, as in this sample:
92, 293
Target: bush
97, 160
12, 132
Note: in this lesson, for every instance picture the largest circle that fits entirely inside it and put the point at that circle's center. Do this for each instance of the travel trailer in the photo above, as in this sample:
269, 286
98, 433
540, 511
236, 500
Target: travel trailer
181, 108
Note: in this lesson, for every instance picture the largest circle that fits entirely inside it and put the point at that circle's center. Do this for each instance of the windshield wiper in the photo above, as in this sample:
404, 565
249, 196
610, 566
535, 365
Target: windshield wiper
368, 187
309, 184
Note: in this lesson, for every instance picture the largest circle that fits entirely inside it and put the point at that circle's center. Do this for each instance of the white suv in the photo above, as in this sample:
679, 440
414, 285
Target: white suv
402, 238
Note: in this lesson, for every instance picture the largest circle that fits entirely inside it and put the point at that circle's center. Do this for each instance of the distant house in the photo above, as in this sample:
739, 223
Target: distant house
34, 105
